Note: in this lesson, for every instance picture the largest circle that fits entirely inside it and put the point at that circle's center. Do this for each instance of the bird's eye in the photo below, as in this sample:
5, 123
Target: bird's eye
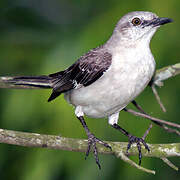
136, 21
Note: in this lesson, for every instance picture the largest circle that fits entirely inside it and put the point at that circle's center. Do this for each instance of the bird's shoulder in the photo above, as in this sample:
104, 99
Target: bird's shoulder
91, 66
87, 68
96, 57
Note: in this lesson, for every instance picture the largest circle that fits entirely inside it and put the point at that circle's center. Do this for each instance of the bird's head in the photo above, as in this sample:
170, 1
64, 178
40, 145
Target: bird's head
139, 25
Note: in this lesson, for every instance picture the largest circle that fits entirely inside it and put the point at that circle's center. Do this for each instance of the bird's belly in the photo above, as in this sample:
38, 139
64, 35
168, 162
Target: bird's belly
112, 92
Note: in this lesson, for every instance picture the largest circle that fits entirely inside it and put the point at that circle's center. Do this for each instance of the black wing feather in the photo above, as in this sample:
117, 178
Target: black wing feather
85, 71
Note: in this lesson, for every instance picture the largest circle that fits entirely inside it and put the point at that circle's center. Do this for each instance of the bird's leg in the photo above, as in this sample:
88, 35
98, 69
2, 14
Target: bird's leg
132, 139
113, 119
92, 140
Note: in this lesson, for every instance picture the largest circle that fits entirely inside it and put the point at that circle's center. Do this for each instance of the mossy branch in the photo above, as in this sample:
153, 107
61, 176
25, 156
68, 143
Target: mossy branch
166, 73
162, 151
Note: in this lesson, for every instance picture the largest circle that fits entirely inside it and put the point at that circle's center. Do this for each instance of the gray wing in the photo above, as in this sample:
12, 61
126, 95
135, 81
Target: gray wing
85, 71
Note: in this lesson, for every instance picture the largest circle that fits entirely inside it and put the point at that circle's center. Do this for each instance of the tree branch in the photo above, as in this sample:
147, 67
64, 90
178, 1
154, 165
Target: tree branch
152, 118
161, 151
166, 73
161, 75
57, 142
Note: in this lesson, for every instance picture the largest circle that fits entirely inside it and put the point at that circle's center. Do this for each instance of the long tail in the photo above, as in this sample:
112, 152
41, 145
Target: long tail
31, 82
39, 82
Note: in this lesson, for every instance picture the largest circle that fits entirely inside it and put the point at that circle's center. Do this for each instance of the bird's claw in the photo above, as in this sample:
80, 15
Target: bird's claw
138, 141
92, 140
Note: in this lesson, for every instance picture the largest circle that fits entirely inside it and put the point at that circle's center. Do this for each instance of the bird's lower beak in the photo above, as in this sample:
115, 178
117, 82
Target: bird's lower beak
158, 22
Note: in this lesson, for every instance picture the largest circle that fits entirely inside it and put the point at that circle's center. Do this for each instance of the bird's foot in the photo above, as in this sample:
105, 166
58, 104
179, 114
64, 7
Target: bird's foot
138, 141
92, 140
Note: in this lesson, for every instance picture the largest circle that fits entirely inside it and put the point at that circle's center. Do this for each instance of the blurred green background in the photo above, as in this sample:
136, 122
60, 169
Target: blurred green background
44, 36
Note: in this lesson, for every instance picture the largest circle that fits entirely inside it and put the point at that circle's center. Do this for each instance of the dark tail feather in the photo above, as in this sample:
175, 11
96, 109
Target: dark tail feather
34, 82
26, 81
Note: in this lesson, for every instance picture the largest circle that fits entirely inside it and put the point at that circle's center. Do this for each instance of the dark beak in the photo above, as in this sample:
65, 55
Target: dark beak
157, 22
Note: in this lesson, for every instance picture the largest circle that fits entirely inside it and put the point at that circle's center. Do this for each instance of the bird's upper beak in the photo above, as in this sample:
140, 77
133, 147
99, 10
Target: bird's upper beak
157, 22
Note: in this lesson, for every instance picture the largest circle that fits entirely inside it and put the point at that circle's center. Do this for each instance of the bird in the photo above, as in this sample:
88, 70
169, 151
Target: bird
103, 81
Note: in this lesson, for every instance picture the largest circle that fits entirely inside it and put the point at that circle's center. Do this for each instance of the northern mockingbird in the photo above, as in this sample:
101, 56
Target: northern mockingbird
106, 79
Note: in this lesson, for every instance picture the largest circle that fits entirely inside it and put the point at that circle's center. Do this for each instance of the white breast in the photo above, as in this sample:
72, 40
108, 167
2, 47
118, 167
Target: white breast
127, 77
